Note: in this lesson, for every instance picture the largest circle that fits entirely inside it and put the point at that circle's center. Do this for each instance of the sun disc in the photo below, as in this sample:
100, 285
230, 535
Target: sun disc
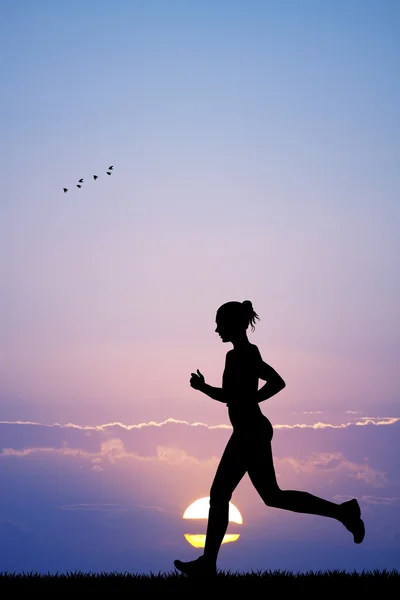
199, 540
199, 510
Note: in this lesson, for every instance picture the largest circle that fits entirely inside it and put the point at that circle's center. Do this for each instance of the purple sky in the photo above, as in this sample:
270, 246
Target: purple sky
255, 150
112, 497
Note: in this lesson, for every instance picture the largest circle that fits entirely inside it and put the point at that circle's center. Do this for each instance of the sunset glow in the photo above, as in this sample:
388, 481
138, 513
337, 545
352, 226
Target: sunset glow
199, 540
254, 150
199, 510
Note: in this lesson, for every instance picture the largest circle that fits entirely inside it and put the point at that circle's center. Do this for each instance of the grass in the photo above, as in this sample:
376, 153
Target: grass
328, 582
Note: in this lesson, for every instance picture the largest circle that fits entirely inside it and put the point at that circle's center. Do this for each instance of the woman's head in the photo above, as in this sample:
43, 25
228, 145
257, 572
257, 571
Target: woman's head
234, 318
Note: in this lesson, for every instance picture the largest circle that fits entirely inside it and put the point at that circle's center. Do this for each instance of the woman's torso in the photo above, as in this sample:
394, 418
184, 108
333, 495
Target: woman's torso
240, 383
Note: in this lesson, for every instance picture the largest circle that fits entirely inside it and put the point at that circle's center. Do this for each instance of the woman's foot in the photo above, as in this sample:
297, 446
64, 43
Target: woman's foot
351, 519
200, 567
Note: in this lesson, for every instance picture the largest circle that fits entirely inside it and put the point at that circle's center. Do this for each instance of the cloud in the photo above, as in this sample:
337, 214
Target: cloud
176, 442
97, 507
8, 525
117, 424
359, 423
340, 456
328, 463
362, 421
113, 450
115, 508
112, 497
199, 441
381, 500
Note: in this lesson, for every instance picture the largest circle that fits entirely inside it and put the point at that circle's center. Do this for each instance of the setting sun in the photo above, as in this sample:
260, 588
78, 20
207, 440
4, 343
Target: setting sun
199, 510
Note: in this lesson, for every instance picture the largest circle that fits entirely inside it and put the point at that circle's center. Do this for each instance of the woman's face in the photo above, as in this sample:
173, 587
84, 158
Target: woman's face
226, 328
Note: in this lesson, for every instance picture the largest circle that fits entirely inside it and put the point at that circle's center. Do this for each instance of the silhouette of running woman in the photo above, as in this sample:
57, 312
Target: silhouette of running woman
249, 447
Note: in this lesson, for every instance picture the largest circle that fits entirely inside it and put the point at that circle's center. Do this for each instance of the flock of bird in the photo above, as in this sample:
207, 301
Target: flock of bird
80, 181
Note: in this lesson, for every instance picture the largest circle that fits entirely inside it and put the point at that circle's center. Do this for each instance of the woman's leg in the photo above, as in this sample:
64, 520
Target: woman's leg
262, 474
230, 471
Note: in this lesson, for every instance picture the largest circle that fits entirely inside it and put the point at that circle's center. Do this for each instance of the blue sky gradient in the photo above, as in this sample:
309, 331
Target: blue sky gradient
255, 148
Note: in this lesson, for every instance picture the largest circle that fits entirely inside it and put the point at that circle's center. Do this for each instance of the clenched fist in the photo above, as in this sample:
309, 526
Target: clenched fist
197, 381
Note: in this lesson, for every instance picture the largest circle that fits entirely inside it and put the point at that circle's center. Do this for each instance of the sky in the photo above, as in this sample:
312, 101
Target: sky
255, 150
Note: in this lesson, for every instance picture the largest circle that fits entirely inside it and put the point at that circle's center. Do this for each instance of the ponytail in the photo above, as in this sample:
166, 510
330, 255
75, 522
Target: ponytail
250, 314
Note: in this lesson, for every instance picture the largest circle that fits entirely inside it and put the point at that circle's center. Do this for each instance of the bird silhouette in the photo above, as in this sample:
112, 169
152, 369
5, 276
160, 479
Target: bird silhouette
79, 185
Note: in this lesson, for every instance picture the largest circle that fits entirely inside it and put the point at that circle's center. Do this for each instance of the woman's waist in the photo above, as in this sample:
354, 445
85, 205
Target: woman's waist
243, 412
251, 422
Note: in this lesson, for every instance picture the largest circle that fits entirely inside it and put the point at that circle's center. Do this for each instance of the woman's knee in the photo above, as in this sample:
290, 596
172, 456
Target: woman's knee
219, 496
272, 497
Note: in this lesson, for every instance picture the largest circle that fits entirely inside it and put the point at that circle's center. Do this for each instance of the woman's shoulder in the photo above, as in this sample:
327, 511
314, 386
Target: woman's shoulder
250, 349
255, 349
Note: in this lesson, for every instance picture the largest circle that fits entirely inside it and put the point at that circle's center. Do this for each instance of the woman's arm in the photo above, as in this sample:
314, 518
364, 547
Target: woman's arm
274, 382
197, 382
214, 392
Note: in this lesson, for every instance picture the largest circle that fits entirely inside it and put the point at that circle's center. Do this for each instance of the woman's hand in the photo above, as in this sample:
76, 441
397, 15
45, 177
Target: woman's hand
197, 381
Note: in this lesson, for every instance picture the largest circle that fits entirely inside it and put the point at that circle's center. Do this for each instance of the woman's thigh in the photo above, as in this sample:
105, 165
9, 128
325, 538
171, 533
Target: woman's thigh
231, 468
259, 460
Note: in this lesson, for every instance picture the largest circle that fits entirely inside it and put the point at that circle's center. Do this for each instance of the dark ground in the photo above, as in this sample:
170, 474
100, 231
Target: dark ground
277, 582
